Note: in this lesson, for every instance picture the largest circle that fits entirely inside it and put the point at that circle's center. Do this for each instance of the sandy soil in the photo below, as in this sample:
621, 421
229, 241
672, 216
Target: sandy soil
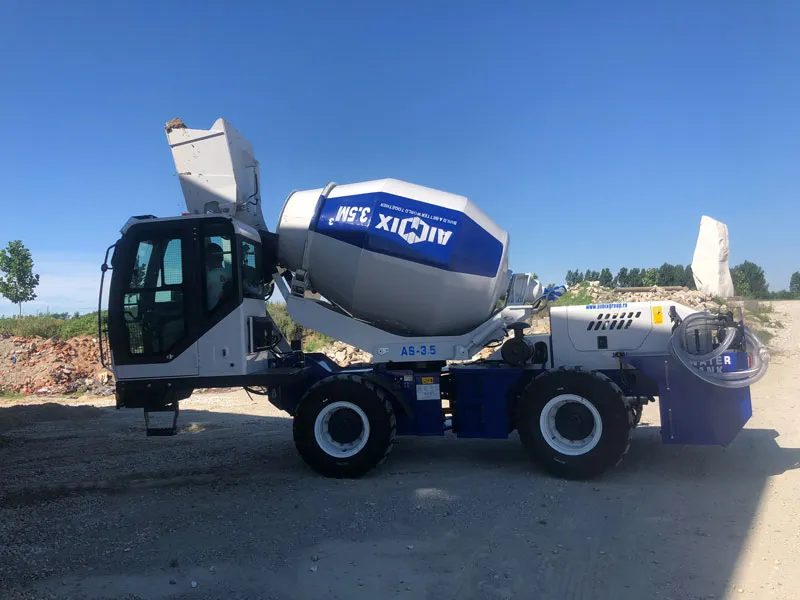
90, 508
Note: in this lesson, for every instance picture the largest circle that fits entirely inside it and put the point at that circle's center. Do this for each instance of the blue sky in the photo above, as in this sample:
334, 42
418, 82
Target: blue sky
597, 134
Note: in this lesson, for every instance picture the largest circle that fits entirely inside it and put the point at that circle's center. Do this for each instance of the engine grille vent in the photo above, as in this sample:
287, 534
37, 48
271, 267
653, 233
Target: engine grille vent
610, 321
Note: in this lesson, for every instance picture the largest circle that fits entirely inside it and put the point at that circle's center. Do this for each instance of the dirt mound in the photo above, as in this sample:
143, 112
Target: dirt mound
52, 367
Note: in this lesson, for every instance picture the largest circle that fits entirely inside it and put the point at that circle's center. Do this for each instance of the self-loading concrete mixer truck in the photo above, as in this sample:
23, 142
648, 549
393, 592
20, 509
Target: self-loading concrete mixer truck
419, 279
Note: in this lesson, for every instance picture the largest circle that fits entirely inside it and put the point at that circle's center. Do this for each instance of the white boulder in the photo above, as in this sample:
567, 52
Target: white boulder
710, 267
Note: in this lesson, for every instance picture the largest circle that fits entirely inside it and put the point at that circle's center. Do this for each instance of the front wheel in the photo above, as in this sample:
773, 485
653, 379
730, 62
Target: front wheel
574, 424
344, 426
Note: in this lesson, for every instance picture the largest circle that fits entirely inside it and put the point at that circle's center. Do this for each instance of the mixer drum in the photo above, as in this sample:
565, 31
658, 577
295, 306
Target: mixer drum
409, 259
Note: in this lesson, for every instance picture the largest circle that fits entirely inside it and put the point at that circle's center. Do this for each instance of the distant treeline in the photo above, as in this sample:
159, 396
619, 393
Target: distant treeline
664, 275
748, 279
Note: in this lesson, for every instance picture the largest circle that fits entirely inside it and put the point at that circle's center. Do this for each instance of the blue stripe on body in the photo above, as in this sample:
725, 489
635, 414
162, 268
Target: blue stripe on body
411, 230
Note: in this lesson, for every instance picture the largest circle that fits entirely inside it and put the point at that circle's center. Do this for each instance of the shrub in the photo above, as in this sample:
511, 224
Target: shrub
50, 326
312, 340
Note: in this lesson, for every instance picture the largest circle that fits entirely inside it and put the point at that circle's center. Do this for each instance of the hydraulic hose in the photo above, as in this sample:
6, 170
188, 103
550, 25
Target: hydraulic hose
548, 295
554, 293
756, 350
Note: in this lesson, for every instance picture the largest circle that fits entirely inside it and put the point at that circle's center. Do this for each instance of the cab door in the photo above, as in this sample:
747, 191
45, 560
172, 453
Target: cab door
151, 310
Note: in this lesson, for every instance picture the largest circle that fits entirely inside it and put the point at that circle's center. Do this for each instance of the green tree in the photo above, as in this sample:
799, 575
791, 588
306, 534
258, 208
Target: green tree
17, 280
666, 275
688, 278
678, 275
749, 280
635, 277
794, 283
573, 278
606, 278
650, 277
741, 287
591, 275
622, 279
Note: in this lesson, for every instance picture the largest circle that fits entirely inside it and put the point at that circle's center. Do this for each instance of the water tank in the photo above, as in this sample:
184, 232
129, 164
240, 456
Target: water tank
409, 259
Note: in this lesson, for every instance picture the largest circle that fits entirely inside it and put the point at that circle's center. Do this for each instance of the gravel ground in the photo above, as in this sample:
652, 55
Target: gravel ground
91, 508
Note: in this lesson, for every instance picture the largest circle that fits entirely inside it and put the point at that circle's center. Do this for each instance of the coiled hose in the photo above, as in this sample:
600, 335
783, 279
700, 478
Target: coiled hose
703, 321
554, 293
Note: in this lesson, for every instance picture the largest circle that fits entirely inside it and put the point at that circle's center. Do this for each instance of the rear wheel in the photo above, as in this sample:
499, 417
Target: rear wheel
344, 426
574, 424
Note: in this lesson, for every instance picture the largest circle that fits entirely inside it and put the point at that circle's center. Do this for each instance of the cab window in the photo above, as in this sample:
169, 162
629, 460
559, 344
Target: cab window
252, 270
153, 304
218, 260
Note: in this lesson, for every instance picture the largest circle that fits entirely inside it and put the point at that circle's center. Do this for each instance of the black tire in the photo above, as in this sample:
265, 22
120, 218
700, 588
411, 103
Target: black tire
373, 402
616, 421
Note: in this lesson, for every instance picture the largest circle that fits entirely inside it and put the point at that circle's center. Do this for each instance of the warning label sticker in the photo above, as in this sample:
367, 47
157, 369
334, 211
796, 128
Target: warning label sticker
428, 391
658, 315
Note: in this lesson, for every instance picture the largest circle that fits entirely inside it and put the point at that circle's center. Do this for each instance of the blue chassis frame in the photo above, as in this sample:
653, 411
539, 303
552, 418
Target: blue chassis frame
483, 396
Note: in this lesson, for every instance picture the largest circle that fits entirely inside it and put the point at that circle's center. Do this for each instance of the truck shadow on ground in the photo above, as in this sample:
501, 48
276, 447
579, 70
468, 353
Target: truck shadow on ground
484, 521
674, 519
755, 452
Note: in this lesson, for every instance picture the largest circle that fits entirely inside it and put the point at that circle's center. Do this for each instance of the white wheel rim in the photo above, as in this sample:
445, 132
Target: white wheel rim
323, 435
555, 439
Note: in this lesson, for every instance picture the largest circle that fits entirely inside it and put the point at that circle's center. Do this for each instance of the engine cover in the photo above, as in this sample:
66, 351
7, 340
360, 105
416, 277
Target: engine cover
590, 335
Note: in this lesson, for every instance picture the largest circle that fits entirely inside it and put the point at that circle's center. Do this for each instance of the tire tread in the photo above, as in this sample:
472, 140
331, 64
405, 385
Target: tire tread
383, 398
528, 401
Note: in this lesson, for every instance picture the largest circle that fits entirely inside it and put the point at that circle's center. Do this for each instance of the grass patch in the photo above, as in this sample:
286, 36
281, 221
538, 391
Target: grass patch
760, 309
575, 297
764, 335
762, 314
282, 319
4, 395
760, 317
312, 340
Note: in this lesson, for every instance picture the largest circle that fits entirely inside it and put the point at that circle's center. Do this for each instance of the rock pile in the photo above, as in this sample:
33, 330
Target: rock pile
344, 354
687, 297
53, 367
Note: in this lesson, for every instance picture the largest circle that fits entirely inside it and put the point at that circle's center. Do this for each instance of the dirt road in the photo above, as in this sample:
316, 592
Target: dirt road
90, 508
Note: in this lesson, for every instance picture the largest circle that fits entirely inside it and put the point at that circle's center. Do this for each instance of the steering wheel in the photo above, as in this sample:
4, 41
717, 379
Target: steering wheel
153, 324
